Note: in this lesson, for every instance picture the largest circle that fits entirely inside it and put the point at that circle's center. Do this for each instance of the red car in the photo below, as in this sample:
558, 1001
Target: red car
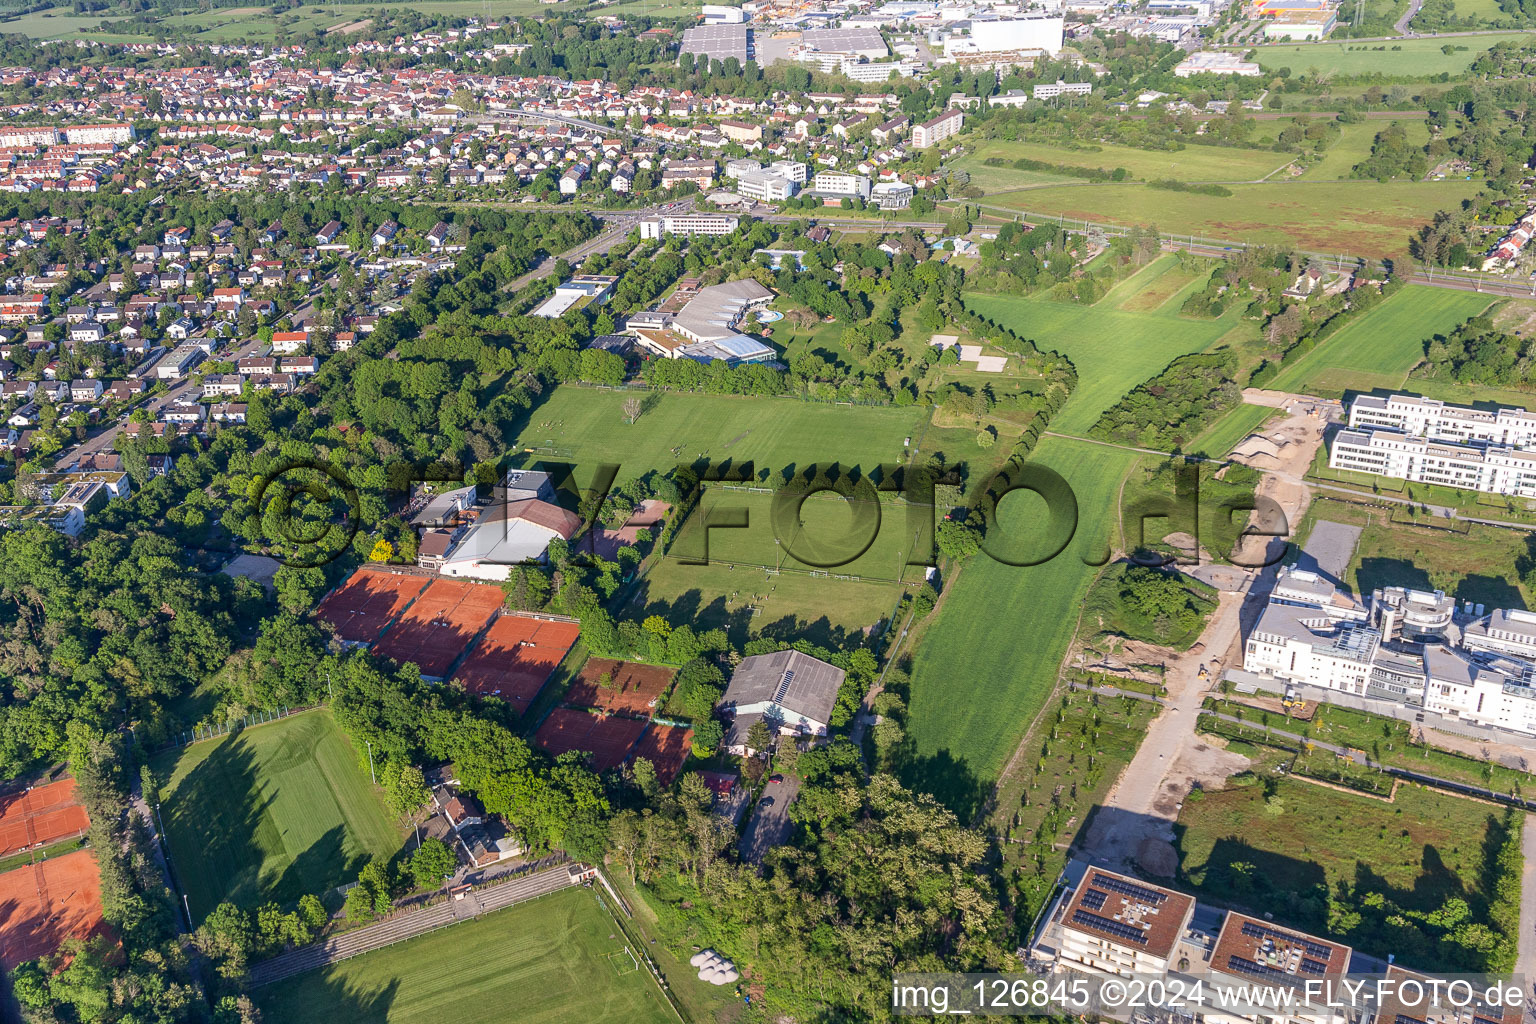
775, 778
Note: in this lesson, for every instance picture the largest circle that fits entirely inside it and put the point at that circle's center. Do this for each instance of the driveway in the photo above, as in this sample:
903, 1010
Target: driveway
769, 826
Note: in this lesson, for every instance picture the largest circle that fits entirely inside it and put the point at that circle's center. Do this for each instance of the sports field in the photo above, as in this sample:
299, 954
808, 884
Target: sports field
667, 748
1360, 218
1113, 350
586, 426
632, 688
45, 903
367, 601
1378, 350
40, 815
1192, 163
608, 738
985, 667
440, 625
272, 812
1403, 58
738, 591
515, 657
558, 958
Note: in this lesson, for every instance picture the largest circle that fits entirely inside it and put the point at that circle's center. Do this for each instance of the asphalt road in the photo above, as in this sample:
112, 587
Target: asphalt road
769, 826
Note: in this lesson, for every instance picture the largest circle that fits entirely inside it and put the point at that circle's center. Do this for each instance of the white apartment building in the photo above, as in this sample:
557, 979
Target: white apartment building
1113, 924
98, 133
688, 224
1496, 692
1304, 646
1426, 417
837, 183
1050, 90
931, 133
1494, 470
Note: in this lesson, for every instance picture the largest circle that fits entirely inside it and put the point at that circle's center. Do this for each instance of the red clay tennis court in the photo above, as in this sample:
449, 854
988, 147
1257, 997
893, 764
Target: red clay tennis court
608, 738
45, 903
666, 747
515, 658
631, 687
440, 624
368, 601
41, 815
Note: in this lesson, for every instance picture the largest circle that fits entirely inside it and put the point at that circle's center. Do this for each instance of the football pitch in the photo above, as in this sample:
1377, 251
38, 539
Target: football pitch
587, 426
559, 958
270, 813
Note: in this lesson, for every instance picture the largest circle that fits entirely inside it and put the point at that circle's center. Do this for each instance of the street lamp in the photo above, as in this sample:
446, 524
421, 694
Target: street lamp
370, 762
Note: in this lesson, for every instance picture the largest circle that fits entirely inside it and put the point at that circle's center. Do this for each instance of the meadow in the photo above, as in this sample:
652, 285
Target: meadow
1193, 163
1354, 145
1160, 285
738, 590
984, 668
1378, 350
1404, 58
1284, 846
1476, 564
1360, 218
586, 426
552, 959
1113, 350
270, 813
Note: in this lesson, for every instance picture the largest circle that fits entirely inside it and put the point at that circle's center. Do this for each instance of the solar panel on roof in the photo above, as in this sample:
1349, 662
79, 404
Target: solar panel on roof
789, 677
1405, 1019
1093, 899
1311, 966
1253, 967
1254, 930
1140, 893
1109, 926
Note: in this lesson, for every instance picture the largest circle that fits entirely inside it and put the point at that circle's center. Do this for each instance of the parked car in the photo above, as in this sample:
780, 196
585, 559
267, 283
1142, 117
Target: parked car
775, 778
766, 801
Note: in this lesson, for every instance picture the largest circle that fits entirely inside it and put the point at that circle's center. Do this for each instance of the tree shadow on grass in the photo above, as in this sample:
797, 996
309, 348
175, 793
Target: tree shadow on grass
212, 819
321, 998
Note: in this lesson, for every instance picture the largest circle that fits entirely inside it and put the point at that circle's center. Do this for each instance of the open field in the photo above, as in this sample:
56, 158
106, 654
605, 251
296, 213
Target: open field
1363, 218
1406, 58
541, 962
974, 693
1378, 350
45, 903
1113, 350
1154, 287
1223, 435
737, 592
1193, 163
272, 812
1354, 145
1284, 845
586, 426
1477, 565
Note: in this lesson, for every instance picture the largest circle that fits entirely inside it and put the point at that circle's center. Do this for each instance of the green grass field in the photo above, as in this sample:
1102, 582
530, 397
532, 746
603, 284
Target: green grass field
551, 960
1354, 145
1193, 163
1113, 350
270, 813
1378, 350
1361, 218
982, 671
735, 592
1154, 287
1406, 58
1422, 849
586, 426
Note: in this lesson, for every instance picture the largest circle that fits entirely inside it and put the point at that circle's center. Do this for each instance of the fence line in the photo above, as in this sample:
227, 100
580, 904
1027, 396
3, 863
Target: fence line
198, 734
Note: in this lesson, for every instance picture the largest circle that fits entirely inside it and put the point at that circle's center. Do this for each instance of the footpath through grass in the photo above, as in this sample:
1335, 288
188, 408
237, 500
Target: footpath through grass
270, 813
558, 958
